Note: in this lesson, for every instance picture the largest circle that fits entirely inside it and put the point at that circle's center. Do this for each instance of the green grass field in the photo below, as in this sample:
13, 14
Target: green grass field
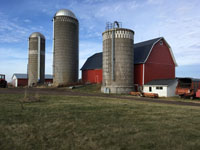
92, 123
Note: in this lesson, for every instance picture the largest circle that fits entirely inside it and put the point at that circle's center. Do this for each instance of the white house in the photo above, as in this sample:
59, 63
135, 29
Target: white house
162, 87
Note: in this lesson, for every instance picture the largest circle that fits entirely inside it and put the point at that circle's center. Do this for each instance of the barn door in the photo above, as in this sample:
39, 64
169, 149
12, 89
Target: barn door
96, 79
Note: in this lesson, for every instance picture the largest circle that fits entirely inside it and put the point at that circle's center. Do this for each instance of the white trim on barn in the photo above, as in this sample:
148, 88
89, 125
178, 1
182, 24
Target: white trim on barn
170, 50
143, 74
14, 81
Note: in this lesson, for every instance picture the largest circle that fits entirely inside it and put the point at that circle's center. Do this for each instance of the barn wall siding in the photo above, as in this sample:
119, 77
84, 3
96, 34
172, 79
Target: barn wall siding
160, 64
89, 75
161, 54
48, 81
22, 82
92, 76
138, 74
158, 71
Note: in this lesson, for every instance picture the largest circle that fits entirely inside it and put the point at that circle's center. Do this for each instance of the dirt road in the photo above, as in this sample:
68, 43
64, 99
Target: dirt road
61, 91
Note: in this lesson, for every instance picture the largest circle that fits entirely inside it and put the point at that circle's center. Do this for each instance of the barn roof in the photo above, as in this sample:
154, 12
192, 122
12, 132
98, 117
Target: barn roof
48, 76
24, 76
142, 51
166, 82
93, 62
20, 75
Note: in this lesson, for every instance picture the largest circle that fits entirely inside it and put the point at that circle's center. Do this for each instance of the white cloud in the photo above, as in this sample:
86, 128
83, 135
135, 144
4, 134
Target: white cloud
183, 33
155, 2
27, 21
10, 31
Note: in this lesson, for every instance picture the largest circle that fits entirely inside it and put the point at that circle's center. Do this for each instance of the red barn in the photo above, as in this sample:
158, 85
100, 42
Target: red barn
21, 79
153, 59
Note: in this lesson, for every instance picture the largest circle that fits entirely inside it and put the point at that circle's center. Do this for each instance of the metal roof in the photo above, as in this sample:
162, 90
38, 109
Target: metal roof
20, 76
24, 76
188, 78
162, 82
142, 51
93, 62
65, 12
48, 76
36, 34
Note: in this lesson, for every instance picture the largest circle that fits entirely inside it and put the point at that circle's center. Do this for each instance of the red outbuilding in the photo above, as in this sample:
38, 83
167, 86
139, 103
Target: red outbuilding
21, 79
153, 59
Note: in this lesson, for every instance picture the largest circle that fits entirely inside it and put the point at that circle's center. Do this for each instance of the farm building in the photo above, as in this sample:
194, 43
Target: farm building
20, 79
162, 87
153, 59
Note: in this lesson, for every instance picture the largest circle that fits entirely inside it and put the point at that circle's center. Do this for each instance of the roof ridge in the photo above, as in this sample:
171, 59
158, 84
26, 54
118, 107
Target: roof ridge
149, 40
141, 50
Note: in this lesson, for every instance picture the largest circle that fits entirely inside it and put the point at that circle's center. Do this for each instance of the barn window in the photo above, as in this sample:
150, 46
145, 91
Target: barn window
150, 89
161, 42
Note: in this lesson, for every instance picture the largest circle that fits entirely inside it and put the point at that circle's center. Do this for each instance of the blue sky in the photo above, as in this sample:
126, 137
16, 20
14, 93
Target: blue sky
178, 21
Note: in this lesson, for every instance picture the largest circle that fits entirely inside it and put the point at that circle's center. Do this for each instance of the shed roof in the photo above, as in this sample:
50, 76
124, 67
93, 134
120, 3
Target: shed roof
166, 82
20, 75
142, 51
24, 76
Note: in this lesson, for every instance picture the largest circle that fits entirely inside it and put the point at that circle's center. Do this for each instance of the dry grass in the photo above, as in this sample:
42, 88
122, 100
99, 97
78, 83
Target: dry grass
64, 122
90, 88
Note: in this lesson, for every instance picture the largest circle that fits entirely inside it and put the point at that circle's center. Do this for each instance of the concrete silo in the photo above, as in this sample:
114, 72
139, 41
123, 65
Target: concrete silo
118, 66
36, 59
65, 48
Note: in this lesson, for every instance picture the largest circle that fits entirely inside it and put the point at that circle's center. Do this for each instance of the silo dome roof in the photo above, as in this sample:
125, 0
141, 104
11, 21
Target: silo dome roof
36, 34
65, 12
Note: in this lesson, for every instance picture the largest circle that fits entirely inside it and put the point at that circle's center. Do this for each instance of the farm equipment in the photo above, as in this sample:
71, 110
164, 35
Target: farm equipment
187, 87
198, 93
3, 82
136, 93
141, 94
151, 95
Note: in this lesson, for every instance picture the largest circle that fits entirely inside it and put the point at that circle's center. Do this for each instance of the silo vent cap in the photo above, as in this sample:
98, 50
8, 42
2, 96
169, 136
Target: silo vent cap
36, 34
65, 12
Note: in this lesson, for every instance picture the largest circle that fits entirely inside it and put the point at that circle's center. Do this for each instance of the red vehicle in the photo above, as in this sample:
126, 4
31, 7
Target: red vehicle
187, 87
198, 93
3, 82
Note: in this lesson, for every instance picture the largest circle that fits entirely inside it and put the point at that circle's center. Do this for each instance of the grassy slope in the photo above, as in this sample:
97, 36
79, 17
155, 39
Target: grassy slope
63, 122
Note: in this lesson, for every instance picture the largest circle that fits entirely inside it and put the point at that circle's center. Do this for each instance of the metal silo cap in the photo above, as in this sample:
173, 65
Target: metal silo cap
65, 12
36, 34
